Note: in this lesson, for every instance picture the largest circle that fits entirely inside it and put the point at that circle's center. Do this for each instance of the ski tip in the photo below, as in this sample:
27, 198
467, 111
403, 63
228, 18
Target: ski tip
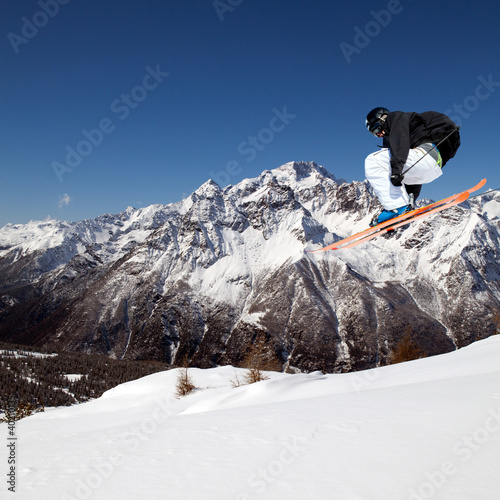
322, 250
479, 185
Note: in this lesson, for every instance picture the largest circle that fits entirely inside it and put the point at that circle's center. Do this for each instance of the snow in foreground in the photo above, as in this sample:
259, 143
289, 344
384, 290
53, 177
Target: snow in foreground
419, 430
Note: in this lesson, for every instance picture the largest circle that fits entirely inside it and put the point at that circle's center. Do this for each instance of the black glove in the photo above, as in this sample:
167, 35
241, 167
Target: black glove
397, 179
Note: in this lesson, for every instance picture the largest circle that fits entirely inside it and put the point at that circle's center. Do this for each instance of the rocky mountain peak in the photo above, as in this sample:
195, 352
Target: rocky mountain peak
303, 169
200, 279
209, 189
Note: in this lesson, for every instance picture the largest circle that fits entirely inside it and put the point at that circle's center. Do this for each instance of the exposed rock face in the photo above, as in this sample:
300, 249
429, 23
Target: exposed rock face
200, 279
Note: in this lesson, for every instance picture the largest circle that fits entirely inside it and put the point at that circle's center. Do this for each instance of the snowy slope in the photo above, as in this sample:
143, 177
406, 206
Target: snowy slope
424, 429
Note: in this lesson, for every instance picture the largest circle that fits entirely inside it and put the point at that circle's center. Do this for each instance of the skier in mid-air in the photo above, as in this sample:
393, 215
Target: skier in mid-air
416, 146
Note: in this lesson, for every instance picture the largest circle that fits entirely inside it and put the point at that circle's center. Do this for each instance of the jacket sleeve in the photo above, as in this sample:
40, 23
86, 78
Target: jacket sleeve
399, 139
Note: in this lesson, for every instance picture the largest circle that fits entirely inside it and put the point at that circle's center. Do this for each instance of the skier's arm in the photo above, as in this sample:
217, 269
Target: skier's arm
399, 140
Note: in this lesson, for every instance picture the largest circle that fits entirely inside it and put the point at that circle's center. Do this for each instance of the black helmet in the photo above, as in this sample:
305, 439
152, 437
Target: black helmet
375, 120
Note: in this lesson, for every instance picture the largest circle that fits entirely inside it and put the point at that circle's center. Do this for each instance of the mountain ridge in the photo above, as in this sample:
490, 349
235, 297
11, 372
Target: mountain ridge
200, 279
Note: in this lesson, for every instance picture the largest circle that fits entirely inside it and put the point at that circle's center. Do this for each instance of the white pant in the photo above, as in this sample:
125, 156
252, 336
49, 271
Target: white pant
378, 173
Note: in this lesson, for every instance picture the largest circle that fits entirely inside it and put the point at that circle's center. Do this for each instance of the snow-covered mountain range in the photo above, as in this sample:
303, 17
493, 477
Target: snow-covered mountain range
198, 280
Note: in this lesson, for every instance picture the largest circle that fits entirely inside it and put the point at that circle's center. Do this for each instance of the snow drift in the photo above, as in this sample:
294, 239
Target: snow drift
424, 429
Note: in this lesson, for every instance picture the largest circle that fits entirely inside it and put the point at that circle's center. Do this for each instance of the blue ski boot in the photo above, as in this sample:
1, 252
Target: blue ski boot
386, 215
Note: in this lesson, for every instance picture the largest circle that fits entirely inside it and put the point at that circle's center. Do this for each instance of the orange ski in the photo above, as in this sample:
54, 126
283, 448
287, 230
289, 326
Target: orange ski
401, 220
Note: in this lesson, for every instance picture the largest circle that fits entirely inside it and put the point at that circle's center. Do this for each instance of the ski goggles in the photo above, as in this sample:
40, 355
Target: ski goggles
376, 127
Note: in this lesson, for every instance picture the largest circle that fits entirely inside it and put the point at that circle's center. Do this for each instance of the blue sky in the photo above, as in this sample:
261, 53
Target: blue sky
140, 102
